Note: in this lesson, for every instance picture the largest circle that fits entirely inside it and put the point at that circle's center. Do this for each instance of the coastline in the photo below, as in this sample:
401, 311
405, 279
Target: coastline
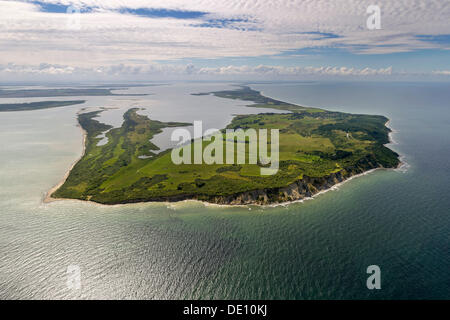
333, 187
49, 198
402, 166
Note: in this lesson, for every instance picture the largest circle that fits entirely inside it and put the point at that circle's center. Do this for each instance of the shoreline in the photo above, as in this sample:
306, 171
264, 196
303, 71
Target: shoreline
48, 196
332, 188
402, 166
336, 186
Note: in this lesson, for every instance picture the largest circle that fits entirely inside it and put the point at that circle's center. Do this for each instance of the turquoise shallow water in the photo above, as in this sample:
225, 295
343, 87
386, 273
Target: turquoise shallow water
399, 220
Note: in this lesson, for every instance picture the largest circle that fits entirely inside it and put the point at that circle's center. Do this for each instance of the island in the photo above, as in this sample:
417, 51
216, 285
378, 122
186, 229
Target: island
60, 92
28, 106
318, 149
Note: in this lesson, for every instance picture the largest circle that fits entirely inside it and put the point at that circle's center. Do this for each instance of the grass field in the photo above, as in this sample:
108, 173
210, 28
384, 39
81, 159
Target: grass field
313, 143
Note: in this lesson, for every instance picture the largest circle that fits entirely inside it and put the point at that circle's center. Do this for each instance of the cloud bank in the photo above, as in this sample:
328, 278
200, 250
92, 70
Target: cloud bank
100, 36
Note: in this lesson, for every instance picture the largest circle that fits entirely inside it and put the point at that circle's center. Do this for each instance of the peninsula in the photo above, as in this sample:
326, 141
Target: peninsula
61, 92
318, 149
28, 106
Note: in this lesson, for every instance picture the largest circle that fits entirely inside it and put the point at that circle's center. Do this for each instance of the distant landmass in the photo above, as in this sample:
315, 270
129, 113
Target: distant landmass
37, 105
318, 149
63, 92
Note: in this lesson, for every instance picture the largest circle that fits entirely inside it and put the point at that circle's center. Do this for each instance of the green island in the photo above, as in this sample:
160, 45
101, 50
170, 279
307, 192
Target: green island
4, 107
318, 149
60, 92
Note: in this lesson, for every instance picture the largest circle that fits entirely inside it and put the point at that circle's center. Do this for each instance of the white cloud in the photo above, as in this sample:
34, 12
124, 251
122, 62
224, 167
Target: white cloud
260, 27
43, 68
294, 71
191, 71
442, 72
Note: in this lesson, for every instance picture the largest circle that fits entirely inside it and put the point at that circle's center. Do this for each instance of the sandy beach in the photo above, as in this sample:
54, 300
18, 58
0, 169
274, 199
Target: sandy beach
48, 196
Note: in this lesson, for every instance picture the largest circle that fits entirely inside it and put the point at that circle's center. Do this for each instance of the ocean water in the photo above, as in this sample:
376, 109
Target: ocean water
316, 249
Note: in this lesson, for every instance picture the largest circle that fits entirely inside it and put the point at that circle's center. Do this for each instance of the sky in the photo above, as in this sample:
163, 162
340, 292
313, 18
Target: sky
115, 40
